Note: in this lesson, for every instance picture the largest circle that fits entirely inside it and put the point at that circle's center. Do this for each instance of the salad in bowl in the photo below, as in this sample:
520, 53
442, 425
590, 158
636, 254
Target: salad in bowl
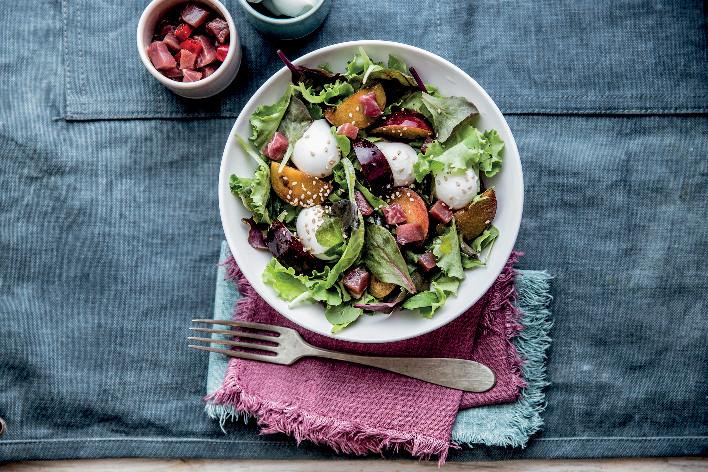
369, 192
379, 226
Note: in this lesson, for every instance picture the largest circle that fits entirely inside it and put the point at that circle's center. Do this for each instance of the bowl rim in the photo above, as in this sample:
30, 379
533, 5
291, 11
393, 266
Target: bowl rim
173, 84
223, 188
279, 21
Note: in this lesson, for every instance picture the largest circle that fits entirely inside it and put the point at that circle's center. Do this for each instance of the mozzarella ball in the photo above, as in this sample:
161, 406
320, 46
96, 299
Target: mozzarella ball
458, 188
308, 222
316, 152
401, 158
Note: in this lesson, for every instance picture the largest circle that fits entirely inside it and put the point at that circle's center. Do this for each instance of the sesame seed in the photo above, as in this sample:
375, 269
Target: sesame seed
411, 199
356, 108
350, 115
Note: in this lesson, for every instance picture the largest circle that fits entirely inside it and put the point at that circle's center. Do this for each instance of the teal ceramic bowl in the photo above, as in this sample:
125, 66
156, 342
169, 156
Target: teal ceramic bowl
287, 28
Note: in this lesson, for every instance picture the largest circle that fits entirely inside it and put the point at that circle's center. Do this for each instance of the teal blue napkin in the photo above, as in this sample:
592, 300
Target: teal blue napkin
510, 424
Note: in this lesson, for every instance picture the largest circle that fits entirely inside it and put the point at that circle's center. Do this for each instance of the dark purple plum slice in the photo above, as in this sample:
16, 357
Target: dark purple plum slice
288, 249
404, 125
374, 165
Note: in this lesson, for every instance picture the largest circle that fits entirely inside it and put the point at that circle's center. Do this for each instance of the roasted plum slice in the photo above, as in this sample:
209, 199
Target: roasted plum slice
474, 219
374, 165
288, 249
404, 125
352, 111
380, 289
413, 207
298, 188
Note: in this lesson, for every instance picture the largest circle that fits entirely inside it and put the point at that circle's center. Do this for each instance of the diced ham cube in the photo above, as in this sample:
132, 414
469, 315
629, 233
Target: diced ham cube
370, 107
160, 56
171, 41
207, 71
356, 281
208, 54
173, 73
362, 204
194, 15
349, 130
192, 45
394, 214
187, 59
219, 29
426, 261
441, 212
183, 31
221, 52
277, 146
409, 233
191, 75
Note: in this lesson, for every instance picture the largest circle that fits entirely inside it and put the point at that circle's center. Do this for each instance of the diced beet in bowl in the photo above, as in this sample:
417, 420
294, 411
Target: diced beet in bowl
190, 43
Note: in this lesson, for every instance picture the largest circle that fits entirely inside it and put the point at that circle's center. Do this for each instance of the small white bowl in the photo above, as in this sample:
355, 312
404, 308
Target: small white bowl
216, 82
402, 324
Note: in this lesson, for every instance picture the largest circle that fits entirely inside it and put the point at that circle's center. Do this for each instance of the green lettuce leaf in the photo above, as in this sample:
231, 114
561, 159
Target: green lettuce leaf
491, 161
397, 63
446, 248
330, 234
428, 302
383, 258
469, 262
342, 316
485, 239
254, 191
373, 200
355, 242
466, 148
293, 125
362, 68
343, 143
266, 119
331, 93
284, 281
295, 121
447, 113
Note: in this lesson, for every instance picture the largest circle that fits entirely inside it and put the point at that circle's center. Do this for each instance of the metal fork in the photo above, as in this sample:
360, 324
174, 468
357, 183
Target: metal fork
285, 346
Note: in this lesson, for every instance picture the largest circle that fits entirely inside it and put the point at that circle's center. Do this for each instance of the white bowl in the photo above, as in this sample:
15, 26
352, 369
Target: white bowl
400, 324
216, 82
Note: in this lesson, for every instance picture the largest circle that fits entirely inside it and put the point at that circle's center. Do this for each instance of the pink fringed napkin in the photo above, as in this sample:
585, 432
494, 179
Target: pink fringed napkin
356, 409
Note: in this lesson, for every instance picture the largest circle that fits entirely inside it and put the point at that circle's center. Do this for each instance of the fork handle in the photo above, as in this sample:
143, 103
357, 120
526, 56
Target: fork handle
460, 374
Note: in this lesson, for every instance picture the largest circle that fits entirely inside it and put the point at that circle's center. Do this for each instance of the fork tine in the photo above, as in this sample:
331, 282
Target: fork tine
226, 342
240, 354
240, 334
246, 324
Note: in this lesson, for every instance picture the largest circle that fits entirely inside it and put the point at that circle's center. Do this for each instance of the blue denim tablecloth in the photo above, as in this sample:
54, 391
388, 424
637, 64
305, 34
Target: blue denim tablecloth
109, 229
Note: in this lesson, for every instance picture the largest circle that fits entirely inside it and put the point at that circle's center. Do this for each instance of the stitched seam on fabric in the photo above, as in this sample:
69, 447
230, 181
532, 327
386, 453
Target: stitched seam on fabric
63, 440
67, 81
289, 443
